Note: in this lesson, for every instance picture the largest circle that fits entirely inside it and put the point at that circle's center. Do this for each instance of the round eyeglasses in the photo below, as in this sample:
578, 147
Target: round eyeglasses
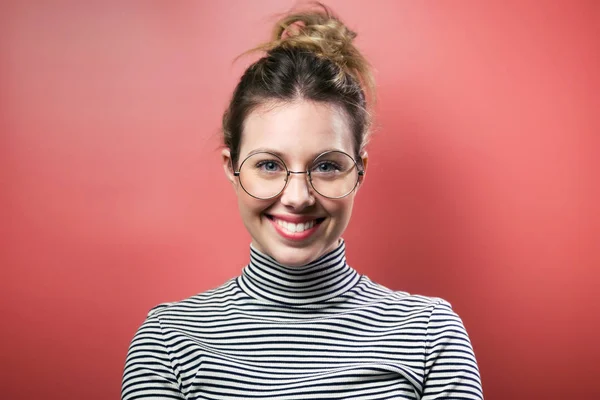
332, 174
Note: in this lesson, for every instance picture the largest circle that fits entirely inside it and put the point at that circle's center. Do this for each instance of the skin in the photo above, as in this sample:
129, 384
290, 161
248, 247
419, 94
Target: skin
299, 131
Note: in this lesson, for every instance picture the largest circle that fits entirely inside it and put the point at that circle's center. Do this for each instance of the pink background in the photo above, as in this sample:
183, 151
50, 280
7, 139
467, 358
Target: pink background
482, 188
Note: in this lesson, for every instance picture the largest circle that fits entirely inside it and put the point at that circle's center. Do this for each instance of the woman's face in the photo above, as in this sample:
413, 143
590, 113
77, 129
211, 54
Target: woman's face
298, 132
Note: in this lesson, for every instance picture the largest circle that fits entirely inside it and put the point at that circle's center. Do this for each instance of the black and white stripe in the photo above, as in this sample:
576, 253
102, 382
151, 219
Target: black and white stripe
317, 332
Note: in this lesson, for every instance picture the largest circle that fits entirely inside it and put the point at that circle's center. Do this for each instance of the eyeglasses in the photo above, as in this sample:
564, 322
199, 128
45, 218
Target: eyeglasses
332, 174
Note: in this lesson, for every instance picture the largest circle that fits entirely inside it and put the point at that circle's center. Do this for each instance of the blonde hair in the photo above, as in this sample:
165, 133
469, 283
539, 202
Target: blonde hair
311, 56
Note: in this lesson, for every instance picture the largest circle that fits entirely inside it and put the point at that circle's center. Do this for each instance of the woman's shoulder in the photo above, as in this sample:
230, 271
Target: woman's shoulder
402, 298
209, 299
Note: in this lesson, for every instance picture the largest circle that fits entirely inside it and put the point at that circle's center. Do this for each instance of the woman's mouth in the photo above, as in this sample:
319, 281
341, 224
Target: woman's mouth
295, 230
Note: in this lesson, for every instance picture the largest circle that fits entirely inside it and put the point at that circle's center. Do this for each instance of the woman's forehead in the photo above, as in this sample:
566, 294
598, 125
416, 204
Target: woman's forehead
302, 128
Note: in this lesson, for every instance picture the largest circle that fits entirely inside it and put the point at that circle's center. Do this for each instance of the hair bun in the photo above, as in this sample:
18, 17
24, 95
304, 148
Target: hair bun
319, 32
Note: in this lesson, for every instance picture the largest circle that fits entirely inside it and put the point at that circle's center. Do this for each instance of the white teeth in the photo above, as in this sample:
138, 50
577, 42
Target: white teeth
295, 228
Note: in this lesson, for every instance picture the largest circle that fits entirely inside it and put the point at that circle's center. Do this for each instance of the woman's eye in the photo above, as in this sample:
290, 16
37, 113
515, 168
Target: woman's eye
268, 166
326, 167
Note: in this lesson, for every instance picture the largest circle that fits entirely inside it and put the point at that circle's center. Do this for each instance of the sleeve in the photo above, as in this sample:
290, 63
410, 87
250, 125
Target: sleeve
149, 372
451, 370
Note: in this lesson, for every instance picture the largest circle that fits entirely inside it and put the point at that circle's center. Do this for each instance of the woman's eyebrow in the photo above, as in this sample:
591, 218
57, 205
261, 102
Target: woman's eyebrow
267, 150
283, 155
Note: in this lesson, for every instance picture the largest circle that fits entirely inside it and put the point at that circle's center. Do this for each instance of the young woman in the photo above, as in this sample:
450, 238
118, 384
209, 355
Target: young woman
300, 323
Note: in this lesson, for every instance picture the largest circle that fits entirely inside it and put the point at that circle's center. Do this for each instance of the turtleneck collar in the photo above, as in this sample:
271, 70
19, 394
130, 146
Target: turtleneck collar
323, 279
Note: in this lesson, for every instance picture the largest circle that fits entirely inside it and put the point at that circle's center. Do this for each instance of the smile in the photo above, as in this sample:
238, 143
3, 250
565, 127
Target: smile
295, 230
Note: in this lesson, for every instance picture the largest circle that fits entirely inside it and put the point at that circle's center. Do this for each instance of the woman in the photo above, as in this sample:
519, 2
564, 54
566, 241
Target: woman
300, 323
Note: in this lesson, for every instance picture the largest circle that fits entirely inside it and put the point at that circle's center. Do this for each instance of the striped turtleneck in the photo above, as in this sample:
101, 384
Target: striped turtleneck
321, 331
314, 284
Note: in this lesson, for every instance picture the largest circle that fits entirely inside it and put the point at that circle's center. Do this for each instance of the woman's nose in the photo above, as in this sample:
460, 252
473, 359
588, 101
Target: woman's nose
298, 193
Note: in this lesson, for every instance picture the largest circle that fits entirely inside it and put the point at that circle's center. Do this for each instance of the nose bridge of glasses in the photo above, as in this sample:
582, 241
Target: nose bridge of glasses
299, 173
290, 173
306, 181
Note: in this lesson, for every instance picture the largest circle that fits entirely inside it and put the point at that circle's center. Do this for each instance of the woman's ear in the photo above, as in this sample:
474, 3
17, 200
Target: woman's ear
365, 158
228, 165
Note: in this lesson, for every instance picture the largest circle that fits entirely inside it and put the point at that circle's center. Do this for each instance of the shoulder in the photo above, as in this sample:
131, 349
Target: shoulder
434, 314
400, 298
213, 298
